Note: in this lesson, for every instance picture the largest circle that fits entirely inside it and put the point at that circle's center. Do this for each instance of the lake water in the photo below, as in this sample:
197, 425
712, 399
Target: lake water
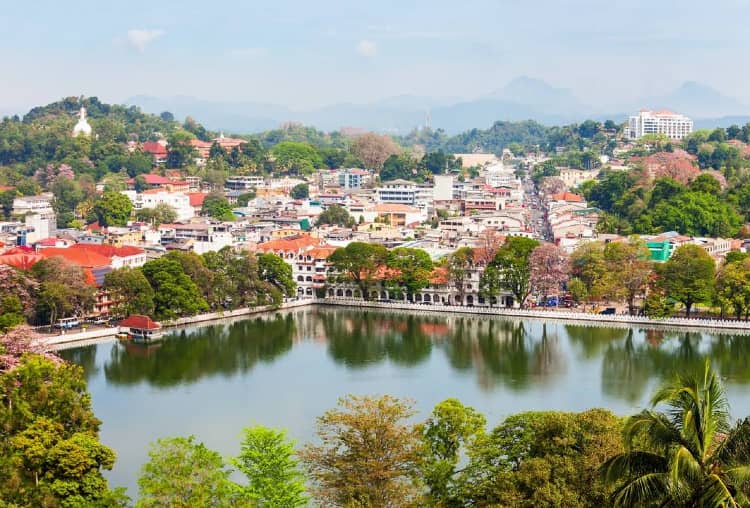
284, 370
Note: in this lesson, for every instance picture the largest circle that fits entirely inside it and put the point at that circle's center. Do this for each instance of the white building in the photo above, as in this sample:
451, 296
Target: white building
443, 190
353, 178
41, 204
243, 182
152, 197
397, 191
673, 125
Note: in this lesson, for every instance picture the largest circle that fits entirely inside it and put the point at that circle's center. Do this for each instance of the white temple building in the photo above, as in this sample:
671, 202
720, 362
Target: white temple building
82, 127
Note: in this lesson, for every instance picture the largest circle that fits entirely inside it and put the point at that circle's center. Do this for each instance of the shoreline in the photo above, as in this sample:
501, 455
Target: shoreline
723, 326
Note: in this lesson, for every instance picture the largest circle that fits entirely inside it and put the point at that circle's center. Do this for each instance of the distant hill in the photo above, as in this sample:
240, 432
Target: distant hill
698, 101
541, 96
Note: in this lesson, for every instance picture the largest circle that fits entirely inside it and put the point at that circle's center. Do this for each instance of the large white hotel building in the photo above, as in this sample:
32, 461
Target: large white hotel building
673, 125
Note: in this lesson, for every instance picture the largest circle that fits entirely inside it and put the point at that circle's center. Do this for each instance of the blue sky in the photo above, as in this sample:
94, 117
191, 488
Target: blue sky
305, 54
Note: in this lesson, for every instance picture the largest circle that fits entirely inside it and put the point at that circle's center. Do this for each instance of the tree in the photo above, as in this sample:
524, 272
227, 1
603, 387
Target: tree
11, 313
411, 270
512, 266
113, 209
181, 473
175, 294
216, 206
587, 265
267, 460
686, 456
300, 191
162, 213
451, 430
130, 291
359, 262
275, 270
548, 269
335, 215
63, 290
544, 458
373, 149
296, 158
460, 263
398, 166
688, 275
367, 456
49, 448
630, 268
733, 287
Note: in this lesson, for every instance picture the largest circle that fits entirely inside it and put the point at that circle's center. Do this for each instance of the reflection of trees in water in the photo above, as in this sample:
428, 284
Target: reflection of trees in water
593, 339
84, 356
629, 366
503, 352
217, 349
358, 339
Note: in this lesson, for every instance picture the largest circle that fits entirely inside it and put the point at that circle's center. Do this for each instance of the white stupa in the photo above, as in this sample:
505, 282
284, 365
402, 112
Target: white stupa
82, 127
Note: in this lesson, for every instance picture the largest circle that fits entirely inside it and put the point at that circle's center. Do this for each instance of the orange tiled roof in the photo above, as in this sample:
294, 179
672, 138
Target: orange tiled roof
79, 257
289, 244
567, 196
196, 198
109, 250
322, 252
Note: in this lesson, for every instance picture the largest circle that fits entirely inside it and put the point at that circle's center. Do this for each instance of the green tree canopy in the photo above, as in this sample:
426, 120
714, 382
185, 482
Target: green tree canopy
688, 275
113, 209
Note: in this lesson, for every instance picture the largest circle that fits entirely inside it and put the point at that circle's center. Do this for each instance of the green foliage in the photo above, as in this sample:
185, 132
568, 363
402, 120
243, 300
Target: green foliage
162, 213
359, 262
113, 209
175, 293
11, 313
131, 292
542, 459
49, 449
686, 456
63, 290
275, 270
450, 431
335, 215
411, 268
510, 269
300, 191
181, 473
399, 167
688, 276
296, 158
267, 460
216, 206
732, 289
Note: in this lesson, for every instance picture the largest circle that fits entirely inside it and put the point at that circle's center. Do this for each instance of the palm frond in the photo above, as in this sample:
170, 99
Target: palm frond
645, 489
715, 494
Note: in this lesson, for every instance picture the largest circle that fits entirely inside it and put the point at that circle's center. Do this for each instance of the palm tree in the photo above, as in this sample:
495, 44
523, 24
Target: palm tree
687, 456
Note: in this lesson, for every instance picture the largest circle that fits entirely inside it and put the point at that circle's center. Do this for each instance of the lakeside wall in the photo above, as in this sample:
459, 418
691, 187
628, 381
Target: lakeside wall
727, 326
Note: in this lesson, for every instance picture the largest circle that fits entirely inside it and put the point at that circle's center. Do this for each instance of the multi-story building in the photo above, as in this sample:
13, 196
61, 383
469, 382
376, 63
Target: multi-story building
673, 125
353, 178
307, 257
398, 191
179, 201
243, 182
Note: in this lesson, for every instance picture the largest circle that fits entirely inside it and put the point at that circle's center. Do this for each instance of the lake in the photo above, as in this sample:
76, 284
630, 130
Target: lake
285, 369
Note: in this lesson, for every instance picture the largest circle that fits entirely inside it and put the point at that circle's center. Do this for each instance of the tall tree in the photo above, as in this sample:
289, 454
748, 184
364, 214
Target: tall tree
130, 291
275, 270
367, 456
629, 268
460, 263
267, 460
216, 206
687, 456
411, 270
373, 149
688, 275
512, 266
181, 473
175, 294
113, 209
733, 287
359, 263
335, 215
548, 265
448, 434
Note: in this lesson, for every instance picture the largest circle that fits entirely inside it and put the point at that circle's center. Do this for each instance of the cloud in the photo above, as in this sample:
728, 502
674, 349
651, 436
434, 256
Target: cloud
247, 53
368, 49
138, 39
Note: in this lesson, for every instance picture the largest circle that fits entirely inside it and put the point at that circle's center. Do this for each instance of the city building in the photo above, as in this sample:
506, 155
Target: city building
673, 125
243, 182
353, 178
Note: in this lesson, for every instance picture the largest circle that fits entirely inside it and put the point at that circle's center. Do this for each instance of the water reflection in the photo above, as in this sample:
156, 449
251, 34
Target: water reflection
513, 355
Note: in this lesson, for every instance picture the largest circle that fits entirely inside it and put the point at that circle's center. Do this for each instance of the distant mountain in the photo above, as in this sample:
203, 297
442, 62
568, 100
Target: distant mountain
697, 100
724, 121
540, 96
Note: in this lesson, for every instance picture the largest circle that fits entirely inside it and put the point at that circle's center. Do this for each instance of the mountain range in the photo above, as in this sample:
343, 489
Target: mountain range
523, 98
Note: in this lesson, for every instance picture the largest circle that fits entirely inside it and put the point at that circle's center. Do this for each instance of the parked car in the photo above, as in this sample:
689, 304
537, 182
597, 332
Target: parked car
608, 310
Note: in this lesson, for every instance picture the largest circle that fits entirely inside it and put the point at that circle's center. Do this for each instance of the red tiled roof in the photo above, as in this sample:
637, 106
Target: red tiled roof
22, 261
109, 250
79, 257
322, 252
152, 179
196, 198
4, 188
154, 148
140, 322
567, 196
290, 244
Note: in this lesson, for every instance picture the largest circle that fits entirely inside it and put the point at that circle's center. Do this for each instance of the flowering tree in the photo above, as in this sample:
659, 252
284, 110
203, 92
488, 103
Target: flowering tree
549, 269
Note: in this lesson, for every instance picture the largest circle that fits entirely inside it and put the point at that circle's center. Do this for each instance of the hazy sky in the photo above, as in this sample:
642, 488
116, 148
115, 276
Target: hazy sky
308, 53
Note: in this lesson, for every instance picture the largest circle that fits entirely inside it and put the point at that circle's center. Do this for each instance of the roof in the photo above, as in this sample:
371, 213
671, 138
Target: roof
196, 198
154, 148
22, 261
140, 322
321, 252
394, 208
152, 179
567, 196
80, 257
290, 244
109, 251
